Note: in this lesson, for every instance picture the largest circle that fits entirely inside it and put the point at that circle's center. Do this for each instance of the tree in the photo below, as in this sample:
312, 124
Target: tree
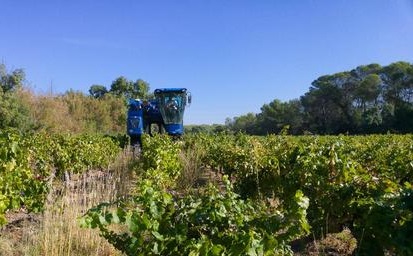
277, 115
121, 87
322, 106
141, 89
398, 79
129, 89
11, 81
13, 112
97, 91
398, 93
245, 123
368, 91
367, 99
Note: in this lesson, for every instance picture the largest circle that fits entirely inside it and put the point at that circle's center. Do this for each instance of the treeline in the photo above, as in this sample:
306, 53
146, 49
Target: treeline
102, 111
368, 99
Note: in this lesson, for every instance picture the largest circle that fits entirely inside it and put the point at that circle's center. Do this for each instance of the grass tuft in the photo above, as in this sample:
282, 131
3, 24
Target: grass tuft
57, 231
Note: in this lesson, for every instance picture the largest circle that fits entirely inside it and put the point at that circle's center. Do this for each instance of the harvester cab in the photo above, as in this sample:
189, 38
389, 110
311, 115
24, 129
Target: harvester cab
172, 102
165, 113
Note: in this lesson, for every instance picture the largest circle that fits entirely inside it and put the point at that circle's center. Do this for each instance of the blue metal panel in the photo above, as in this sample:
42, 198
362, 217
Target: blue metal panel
135, 117
174, 129
135, 125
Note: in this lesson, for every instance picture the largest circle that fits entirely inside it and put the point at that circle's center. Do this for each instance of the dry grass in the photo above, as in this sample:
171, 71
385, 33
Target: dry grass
342, 243
6, 248
56, 231
192, 171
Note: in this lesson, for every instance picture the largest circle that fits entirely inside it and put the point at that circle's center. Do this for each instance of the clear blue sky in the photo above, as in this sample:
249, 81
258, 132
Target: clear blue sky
233, 55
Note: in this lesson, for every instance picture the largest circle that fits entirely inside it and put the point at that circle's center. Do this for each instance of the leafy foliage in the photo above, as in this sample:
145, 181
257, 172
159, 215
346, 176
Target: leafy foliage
161, 160
19, 185
121, 86
367, 99
28, 163
11, 81
359, 182
213, 223
13, 111
97, 91
157, 221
